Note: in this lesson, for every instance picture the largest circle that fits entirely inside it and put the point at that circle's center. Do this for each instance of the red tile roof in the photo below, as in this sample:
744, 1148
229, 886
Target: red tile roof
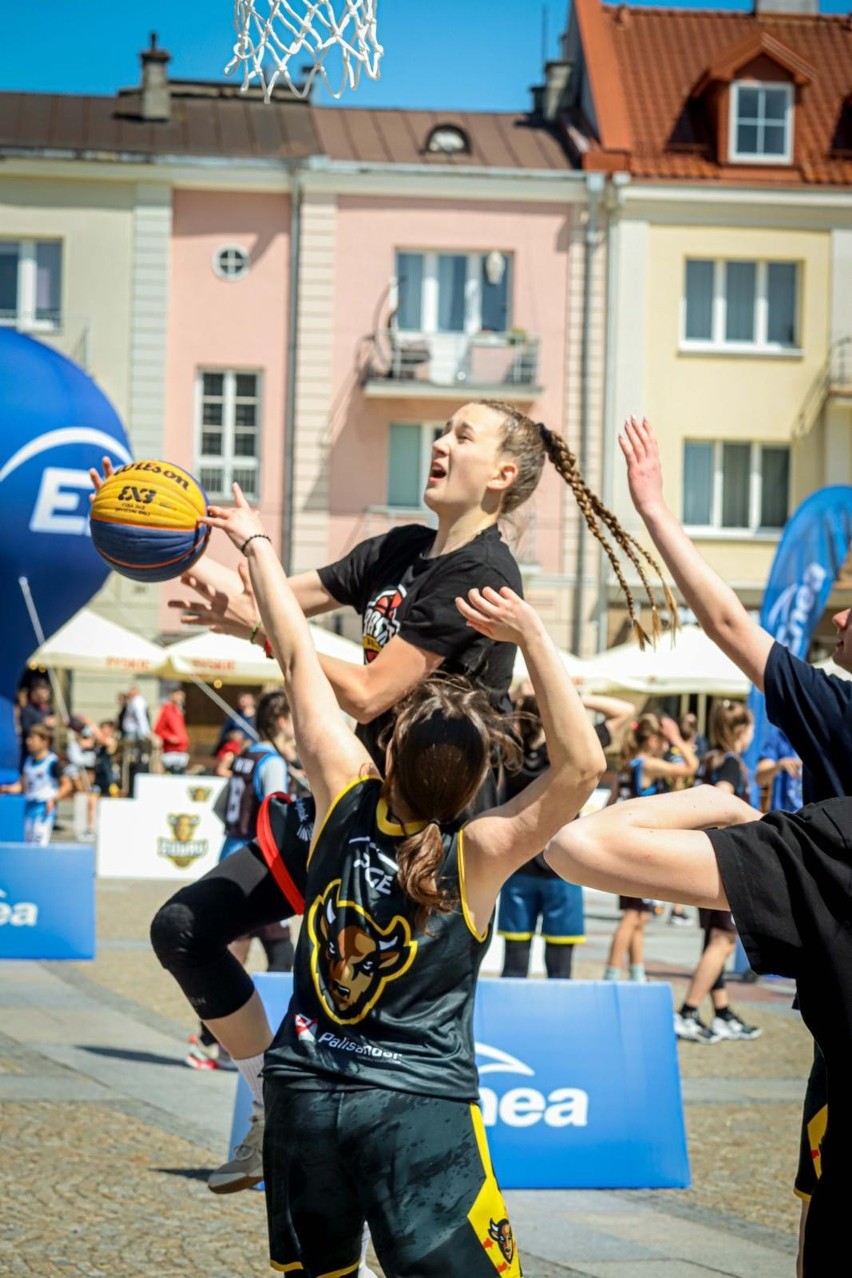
644, 65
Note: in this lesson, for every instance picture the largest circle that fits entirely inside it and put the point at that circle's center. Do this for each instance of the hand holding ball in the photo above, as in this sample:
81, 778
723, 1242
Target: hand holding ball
145, 521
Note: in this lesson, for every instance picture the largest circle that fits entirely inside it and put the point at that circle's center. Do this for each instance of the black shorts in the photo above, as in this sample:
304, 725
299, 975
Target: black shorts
416, 1168
637, 903
721, 920
814, 1122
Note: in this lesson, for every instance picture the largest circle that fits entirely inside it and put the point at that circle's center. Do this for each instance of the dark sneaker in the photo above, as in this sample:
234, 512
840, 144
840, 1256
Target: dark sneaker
693, 1030
245, 1169
733, 1028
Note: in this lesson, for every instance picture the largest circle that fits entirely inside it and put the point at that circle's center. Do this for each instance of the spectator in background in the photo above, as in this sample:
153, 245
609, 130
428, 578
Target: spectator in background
779, 771
42, 785
240, 720
170, 731
133, 721
645, 770
232, 745
689, 732
36, 709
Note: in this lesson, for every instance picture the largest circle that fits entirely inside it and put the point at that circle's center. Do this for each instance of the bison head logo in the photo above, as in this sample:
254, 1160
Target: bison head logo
501, 1232
352, 957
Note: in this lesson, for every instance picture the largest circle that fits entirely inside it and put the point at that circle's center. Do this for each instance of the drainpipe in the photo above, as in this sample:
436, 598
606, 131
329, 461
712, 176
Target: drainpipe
615, 203
291, 370
594, 190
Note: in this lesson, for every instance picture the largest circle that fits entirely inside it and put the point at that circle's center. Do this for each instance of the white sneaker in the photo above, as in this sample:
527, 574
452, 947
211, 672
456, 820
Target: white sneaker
694, 1030
733, 1028
245, 1169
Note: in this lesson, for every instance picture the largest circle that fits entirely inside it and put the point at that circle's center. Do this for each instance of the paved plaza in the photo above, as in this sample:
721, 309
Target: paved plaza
108, 1137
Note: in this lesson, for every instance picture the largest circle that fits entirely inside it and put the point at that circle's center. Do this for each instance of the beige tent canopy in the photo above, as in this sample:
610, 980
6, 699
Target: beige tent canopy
222, 657
692, 664
91, 643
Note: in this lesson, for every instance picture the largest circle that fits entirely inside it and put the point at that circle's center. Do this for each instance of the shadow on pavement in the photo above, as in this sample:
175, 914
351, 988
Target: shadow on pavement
186, 1173
120, 1053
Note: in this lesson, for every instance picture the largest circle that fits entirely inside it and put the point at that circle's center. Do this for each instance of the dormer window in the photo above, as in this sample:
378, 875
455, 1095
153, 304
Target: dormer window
448, 139
761, 123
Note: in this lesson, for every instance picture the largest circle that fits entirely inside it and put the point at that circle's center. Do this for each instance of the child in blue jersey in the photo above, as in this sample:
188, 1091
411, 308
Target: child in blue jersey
42, 785
370, 1084
644, 771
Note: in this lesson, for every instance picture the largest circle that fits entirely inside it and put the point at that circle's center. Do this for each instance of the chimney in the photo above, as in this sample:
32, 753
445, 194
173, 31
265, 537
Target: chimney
156, 97
552, 92
764, 8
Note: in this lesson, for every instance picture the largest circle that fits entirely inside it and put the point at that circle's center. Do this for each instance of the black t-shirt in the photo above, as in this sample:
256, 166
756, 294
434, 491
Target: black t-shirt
398, 591
726, 767
788, 879
814, 711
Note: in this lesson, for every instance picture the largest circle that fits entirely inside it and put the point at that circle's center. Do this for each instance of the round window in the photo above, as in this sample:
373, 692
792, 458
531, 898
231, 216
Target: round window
231, 262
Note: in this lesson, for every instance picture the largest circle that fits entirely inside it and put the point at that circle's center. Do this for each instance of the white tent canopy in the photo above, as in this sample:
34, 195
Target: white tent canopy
576, 667
693, 664
93, 644
212, 656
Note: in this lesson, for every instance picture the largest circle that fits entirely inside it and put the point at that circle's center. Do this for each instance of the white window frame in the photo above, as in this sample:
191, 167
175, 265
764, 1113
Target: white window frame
25, 317
755, 490
761, 344
230, 277
227, 460
428, 431
756, 157
473, 290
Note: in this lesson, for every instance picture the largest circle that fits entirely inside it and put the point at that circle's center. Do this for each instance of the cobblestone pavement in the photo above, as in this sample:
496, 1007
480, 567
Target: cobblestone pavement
108, 1137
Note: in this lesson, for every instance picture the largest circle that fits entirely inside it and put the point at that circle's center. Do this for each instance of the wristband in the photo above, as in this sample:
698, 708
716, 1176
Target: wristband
254, 631
265, 537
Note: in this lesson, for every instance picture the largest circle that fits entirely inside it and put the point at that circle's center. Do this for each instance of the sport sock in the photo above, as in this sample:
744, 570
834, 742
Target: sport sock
250, 1067
611, 974
637, 972
688, 1010
724, 1014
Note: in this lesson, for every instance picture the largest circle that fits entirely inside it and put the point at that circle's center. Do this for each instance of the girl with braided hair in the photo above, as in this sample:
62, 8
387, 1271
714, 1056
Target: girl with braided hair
370, 1083
487, 462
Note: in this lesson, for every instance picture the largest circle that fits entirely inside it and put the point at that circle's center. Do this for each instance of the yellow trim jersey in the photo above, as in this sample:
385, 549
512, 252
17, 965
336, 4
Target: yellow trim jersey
377, 1002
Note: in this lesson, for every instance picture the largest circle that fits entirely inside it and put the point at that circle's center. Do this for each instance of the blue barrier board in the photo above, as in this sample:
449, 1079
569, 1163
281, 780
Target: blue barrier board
579, 1082
47, 901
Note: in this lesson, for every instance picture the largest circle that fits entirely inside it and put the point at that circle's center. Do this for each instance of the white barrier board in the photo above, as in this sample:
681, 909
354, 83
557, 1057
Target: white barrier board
168, 831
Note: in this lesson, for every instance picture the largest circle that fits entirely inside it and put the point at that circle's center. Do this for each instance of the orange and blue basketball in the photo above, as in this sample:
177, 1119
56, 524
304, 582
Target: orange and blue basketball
144, 521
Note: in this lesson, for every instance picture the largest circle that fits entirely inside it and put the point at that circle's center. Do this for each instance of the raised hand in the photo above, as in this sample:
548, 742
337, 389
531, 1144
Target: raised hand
224, 600
97, 478
239, 521
503, 616
644, 471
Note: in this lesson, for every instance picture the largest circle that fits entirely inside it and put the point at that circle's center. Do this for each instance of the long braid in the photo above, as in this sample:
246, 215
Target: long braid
529, 443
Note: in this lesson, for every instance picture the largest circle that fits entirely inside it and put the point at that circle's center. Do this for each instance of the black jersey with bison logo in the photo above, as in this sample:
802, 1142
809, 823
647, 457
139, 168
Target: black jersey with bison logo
375, 1000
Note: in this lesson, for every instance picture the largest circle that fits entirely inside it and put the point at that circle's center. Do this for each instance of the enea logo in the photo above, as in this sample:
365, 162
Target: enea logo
789, 618
525, 1106
19, 914
62, 503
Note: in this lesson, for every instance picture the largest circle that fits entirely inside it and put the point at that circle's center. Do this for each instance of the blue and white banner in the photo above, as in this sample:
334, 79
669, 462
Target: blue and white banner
47, 901
810, 555
579, 1082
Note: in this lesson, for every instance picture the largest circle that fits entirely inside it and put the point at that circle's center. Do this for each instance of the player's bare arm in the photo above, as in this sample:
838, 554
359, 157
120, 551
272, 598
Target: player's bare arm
716, 606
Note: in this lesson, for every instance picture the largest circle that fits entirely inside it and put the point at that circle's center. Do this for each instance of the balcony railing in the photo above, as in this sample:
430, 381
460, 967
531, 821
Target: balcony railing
397, 362
834, 380
68, 334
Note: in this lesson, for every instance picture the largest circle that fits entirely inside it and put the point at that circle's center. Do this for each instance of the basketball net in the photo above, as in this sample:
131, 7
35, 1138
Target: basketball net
271, 33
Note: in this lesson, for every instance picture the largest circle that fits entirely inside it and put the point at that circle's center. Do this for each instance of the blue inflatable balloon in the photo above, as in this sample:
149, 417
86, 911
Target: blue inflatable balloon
54, 424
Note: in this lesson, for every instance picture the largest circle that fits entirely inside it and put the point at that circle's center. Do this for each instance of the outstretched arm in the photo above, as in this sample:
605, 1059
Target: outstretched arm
653, 846
714, 603
330, 753
499, 842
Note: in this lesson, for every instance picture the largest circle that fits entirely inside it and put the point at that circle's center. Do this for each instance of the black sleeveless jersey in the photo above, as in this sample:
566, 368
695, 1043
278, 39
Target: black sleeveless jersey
242, 801
376, 1002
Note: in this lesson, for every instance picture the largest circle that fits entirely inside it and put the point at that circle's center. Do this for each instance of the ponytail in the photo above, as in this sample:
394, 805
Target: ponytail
420, 858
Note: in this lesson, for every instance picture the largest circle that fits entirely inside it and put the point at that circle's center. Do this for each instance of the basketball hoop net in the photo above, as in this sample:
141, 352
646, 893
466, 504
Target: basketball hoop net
270, 33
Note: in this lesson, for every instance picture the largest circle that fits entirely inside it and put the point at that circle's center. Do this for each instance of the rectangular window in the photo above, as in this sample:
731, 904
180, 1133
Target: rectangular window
453, 292
409, 460
31, 283
740, 305
761, 123
735, 486
228, 432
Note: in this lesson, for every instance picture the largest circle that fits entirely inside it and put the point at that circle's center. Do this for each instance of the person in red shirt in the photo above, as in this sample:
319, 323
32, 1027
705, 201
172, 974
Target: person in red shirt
170, 729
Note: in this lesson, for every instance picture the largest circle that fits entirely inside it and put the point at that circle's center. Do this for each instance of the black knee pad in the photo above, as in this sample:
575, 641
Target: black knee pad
172, 933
